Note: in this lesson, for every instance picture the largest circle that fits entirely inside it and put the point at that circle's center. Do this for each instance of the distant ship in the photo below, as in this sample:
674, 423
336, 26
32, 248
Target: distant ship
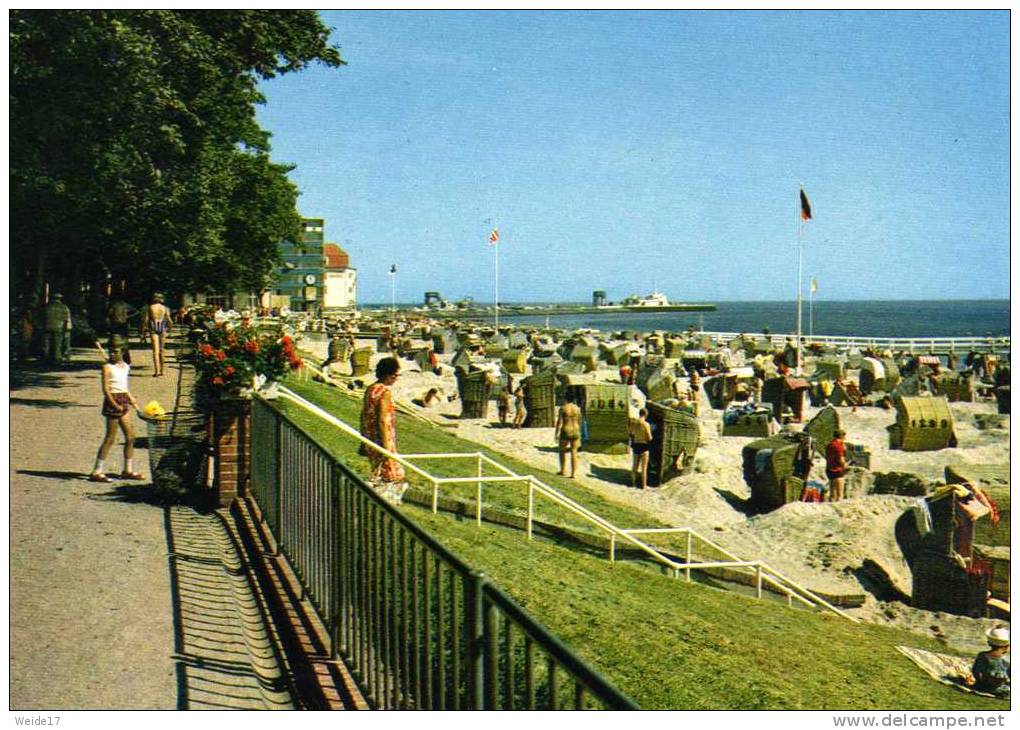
655, 300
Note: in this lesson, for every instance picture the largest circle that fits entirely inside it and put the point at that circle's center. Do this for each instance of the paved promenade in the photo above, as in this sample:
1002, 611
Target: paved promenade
117, 601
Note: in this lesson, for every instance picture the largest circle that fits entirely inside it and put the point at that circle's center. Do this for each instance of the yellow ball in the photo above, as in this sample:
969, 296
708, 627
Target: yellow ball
154, 410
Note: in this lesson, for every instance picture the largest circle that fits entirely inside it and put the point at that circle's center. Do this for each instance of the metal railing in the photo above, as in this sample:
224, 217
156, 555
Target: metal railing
764, 573
419, 628
910, 344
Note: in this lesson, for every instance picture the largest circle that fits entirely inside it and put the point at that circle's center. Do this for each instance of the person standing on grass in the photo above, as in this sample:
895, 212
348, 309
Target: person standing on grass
835, 465
568, 434
158, 326
117, 404
378, 422
640, 443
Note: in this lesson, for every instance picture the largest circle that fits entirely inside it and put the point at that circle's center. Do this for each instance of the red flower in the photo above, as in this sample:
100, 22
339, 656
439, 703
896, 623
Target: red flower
251, 346
229, 370
220, 355
217, 380
206, 349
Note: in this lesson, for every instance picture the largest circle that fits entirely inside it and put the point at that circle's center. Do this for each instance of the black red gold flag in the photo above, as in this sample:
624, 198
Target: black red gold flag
805, 206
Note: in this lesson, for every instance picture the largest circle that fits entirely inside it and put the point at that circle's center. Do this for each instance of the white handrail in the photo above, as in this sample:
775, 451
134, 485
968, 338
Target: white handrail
544, 489
893, 343
764, 571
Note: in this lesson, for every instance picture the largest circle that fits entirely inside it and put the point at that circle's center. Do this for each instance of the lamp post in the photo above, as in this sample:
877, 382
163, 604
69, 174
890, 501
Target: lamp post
393, 297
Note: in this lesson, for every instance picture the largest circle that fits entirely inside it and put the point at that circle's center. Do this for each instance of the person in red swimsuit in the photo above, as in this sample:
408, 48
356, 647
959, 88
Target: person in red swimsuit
835, 465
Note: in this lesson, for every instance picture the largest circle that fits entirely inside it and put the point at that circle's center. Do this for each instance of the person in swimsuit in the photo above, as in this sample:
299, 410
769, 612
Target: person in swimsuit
117, 402
640, 443
568, 433
158, 325
505, 396
520, 412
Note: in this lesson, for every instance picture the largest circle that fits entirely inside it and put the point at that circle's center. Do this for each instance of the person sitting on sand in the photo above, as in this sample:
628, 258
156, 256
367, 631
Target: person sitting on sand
568, 434
640, 443
428, 400
991, 668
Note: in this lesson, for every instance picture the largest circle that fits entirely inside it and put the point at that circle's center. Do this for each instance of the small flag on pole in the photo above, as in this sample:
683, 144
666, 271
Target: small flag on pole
805, 206
393, 268
814, 285
494, 237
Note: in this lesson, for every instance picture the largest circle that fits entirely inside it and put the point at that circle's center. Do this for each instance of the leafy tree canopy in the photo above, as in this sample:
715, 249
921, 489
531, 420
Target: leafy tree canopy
135, 151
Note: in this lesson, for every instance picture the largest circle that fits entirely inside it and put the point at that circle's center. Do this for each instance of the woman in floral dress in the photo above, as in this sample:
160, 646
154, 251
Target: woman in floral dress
378, 422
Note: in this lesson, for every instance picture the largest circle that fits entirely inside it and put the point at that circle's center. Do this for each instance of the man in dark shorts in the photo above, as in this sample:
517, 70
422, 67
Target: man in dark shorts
835, 465
640, 443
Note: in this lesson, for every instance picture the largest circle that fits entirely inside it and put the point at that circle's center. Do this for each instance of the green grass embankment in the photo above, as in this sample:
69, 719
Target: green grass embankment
667, 643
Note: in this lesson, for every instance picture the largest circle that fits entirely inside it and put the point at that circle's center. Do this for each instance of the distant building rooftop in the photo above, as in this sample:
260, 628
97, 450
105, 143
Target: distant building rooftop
336, 257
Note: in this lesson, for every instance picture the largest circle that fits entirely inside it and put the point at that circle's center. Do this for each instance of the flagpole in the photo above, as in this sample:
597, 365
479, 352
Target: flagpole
800, 296
811, 312
497, 285
393, 299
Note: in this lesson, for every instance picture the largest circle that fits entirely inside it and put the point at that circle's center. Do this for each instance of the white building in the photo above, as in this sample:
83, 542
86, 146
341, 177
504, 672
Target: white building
340, 280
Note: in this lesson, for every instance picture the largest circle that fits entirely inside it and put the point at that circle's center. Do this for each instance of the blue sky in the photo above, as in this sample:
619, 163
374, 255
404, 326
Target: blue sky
622, 151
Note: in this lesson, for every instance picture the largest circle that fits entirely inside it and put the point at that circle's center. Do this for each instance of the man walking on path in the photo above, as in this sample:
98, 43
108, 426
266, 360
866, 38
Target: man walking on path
56, 321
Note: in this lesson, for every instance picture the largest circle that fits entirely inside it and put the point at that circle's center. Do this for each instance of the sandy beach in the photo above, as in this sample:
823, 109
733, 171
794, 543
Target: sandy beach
821, 545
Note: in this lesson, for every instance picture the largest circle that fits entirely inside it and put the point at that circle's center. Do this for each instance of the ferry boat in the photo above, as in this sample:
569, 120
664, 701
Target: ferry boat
655, 300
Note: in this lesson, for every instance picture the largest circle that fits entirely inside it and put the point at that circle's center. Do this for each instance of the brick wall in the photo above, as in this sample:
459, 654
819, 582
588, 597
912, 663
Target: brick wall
232, 450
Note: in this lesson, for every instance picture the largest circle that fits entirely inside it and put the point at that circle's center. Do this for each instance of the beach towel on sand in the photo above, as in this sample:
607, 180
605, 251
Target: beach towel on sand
944, 668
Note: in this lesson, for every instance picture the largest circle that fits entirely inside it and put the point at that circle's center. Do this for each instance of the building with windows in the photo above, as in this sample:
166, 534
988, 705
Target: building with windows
313, 276
302, 274
341, 281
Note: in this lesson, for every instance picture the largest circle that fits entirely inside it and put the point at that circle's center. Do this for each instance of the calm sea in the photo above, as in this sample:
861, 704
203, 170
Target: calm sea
958, 318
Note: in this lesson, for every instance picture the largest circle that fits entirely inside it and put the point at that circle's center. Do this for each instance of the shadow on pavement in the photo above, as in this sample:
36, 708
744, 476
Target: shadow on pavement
223, 660
48, 403
61, 475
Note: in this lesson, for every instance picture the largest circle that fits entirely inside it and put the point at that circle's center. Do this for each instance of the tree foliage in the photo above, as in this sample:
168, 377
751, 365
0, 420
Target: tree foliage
135, 152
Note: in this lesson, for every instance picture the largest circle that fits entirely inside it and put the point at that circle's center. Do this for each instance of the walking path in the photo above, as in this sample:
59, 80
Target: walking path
117, 601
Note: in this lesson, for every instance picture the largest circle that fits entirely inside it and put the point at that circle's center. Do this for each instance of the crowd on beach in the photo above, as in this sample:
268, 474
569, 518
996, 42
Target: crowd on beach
687, 372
